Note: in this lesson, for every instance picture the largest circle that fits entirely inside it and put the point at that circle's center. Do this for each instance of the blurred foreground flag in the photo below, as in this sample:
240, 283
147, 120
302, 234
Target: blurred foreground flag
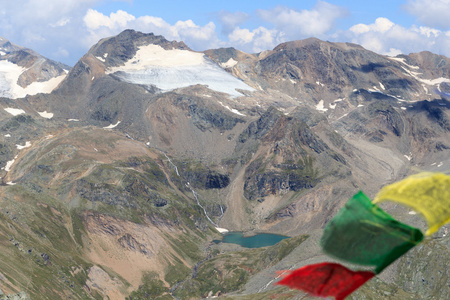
427, 193
362, 233
326, 279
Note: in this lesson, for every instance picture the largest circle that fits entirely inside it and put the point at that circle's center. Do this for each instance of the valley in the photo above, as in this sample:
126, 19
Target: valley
116, 180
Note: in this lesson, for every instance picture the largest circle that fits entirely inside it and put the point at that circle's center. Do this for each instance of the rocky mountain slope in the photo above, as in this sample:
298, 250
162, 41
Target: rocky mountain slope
113, 183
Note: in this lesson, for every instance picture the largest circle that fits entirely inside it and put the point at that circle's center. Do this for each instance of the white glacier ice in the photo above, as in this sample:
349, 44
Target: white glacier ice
172, 69
9, 74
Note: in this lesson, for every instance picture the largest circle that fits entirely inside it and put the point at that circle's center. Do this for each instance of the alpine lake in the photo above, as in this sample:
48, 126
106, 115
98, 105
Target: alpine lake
255, 241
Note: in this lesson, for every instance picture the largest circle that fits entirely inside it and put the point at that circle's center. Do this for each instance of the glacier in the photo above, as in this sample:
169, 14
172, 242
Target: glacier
171, 69
9, 75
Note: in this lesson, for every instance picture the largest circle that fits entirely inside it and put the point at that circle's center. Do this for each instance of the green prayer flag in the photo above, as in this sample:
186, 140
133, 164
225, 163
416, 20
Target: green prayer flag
362, 233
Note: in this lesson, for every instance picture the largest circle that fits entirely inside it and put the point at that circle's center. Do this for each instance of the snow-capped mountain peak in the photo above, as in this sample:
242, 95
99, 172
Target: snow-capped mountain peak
24, 72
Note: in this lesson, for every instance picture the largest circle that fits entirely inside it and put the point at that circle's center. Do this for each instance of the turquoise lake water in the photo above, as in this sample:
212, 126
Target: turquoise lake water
255, 241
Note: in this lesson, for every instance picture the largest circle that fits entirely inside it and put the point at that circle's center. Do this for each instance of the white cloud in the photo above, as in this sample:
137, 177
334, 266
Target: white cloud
429, 32
241, 36
304, 23
65, 30
381, 25
431, 13
196, 36
46, 25
61, 22
231, 21
191, 30
288, 24
94, 20
385, 37
61, 52
154, 21
255, 40
394, 52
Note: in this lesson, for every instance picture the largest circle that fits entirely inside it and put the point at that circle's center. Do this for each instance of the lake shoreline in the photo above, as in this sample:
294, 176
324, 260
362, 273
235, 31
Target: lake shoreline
251, 239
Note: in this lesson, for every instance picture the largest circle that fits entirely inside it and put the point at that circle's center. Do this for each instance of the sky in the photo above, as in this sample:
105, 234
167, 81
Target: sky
64, 30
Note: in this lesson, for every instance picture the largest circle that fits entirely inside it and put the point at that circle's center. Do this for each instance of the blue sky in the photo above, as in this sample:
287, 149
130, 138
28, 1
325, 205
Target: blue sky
64, 30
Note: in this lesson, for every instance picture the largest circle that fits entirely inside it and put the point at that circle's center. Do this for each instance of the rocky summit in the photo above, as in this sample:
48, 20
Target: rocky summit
118, 174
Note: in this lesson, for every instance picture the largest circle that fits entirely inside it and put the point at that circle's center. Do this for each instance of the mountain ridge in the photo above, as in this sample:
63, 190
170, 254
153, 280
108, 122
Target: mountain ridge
128, 169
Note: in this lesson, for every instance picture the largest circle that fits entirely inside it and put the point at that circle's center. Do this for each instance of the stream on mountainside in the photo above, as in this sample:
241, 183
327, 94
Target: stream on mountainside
188, 185
255, 241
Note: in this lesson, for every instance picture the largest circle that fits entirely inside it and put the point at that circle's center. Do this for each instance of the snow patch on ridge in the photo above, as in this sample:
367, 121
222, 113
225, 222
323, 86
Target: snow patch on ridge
403, 61
45, 114
27, 145
112, 125
14, 111
233, 110
9, 164
222, 230
172, 69
229, 64
320, 106
415, 75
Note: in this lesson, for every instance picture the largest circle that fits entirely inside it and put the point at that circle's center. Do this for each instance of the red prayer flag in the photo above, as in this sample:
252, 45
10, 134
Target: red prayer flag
326, 279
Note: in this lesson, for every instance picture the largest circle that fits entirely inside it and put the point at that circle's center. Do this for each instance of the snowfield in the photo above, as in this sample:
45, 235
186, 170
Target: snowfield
172, 69
10, 73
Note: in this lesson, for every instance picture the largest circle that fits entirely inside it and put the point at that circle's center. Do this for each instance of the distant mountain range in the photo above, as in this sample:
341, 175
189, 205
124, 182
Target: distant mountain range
118, 173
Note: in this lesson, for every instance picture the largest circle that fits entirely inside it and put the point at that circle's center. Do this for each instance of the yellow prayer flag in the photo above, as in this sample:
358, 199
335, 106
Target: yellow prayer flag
427, 193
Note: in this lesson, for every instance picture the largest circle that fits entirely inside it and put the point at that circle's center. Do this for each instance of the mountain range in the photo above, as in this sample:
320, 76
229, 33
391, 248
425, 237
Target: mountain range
118, 173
